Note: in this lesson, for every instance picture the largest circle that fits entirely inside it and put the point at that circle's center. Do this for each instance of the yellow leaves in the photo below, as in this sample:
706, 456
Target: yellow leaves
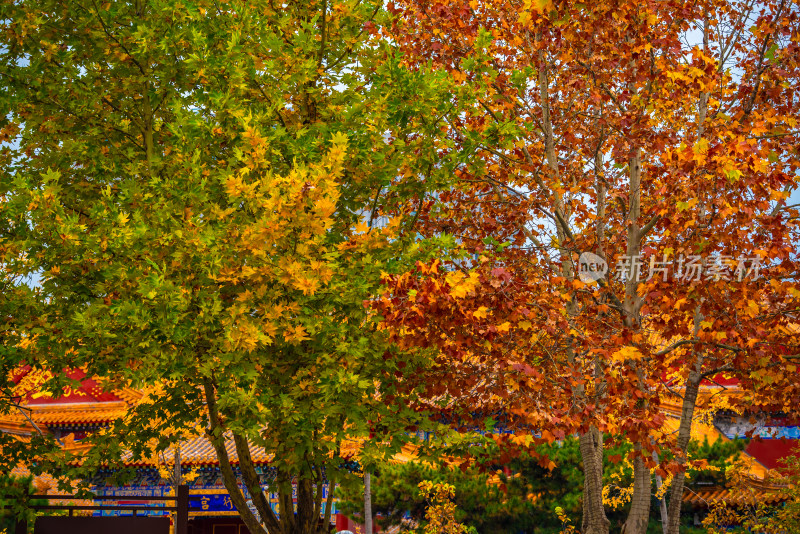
683, 206
522, 439
122, 218
324, 207
627, 353
305, 284
235, 187
504, 327
540, 6
566, 525
295, 335
306, 384
525, 325
751, 308
529, 7
247, 335
339, 139
335, 157
481, 312
461, 285
24, 343
440, 514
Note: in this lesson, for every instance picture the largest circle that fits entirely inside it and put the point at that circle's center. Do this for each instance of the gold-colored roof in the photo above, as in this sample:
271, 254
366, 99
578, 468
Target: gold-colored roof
749, 495
65, 414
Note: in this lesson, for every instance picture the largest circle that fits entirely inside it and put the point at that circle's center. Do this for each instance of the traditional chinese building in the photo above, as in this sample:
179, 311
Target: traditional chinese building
80, 411
771, 438
87, 408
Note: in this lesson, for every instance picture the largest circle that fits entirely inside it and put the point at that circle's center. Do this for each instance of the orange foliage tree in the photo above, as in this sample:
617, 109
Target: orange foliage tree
657, 139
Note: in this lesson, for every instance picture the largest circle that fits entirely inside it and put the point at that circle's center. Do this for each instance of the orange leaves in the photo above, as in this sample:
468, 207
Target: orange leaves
245, 335
305, 284
700, 150
481, 313
578, 284
627, 353
295, 334
461, 285
531, 7
236, 187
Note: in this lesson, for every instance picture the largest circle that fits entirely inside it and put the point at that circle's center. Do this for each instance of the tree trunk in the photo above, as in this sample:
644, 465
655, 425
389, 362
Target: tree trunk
684, 435
253, 485
639, 514
306, 522
326, 521
594, 515
367, 504
178, 475
662, 502
217, 439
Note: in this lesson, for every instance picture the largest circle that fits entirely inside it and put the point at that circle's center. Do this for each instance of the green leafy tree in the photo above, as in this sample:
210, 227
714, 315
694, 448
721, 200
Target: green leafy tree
208, 193
478, 504
532, 495
15, 502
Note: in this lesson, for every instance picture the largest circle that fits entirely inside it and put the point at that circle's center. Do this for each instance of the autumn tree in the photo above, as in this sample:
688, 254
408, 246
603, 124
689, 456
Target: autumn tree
207, 193
754, 515
662, 139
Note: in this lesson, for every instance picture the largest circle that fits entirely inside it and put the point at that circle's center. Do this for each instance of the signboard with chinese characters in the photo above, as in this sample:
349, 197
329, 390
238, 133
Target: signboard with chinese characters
210, 502
132, 491
203, 501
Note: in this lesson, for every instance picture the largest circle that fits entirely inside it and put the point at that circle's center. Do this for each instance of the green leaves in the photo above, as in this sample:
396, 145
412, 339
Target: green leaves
212, 196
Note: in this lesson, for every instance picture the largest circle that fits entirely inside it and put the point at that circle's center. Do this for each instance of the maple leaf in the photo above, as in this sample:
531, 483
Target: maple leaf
481, 313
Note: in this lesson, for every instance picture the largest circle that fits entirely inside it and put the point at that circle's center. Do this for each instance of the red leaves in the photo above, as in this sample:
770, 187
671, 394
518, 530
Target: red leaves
501, 274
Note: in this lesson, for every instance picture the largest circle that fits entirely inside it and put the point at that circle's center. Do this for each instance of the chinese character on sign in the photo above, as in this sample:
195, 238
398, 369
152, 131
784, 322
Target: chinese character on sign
204, 503
226, 502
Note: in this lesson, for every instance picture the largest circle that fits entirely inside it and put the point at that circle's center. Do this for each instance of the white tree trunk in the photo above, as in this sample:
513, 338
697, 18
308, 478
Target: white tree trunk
367, 504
